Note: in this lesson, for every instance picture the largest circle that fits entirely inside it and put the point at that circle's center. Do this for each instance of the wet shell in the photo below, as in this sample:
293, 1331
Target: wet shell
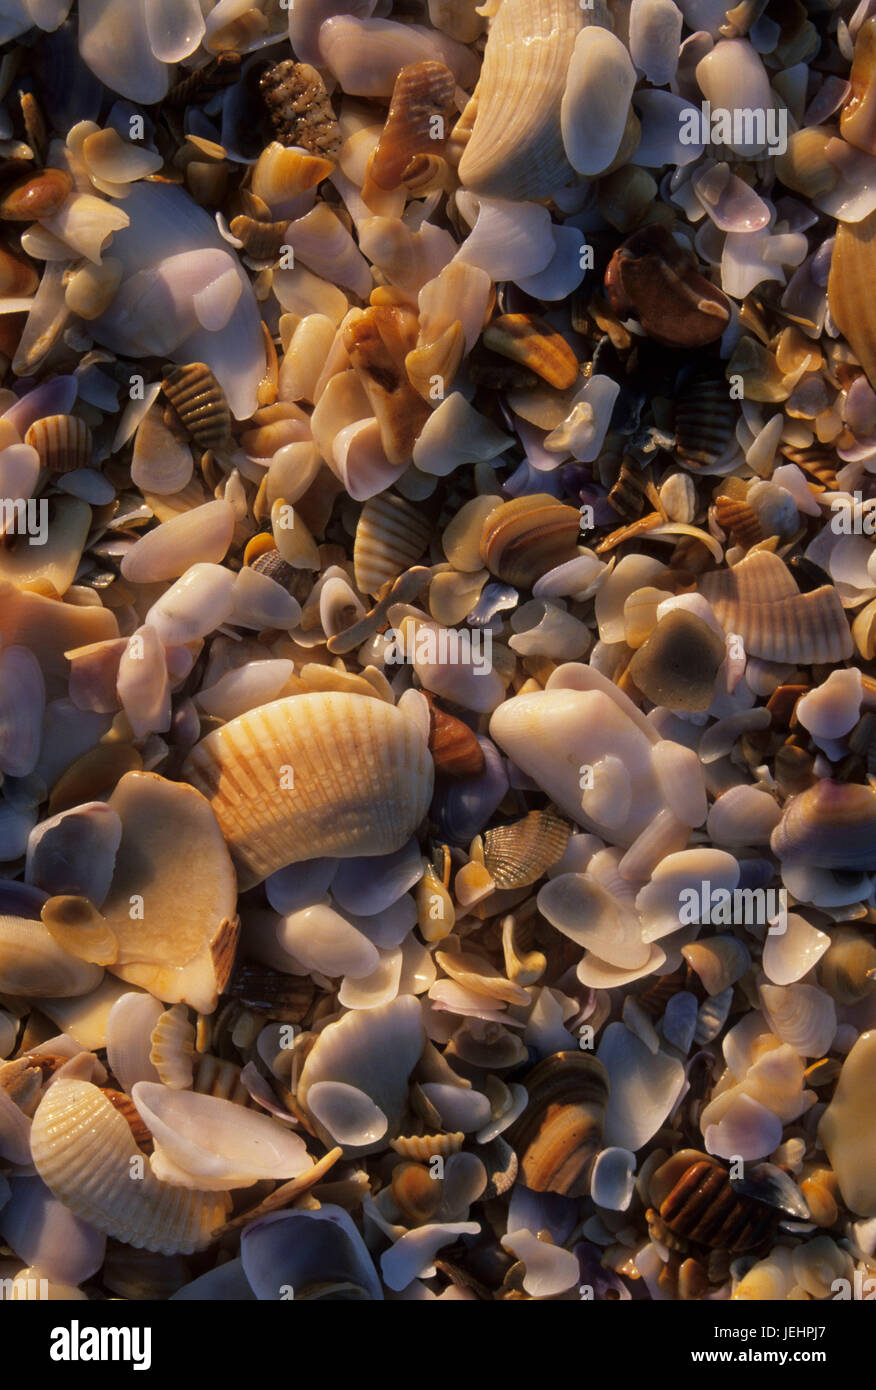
300, 109
83, 1147
261, 240
695, 1201
560, 1132
173, 1047
324, 774
848, 970
454, 747
705, 420
518, 854
418, 120
200, 403
759, 600
391, 535
63, 442
529, 340
831, 825
399, 409
523, 539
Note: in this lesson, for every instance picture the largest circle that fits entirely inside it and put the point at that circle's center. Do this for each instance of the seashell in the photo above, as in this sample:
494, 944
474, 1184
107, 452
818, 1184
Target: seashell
456, 433
317, 738
695, 1201
651, 277
366, 55
129, 1027
802, 1015
78, 927
166, 828
516, 148
83, 1150
161, 463
197, 603
36, 196
199, 536
172, 1048
518, 854
441, 360
678, 664
399, 409
200, 403
391, 535
848, 970
460, 292
322, 242
595, 109
261, 240
299, 107
422, 92
424, 1147
758, 599
846, 1132
560, 1131
32, 963
22, 704
320, 1254
857, 116
851, 273
828, 826
63, 442
739, 519
743, 816
705, 420
521, 540
529, 340
719, 961
455, 749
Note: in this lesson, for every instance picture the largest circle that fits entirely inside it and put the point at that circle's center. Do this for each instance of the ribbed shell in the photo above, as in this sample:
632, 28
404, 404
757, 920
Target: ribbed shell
528, 536
173, 1048
759, 600
560, 1131
516, 148
391, 535
200, 403
703, 1207
63, 442
518, 854
261, 240
82, 1147
705, 419
422, 91
739, 520
310, 775
426, 1146
851, 289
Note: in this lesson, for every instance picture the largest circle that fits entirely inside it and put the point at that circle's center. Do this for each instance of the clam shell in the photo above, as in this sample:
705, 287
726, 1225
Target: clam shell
172, 1048
422, 93
519, 854
361, 774
695, 1201
200, 403
83, 1151
705, 420
831, 825
391, 535
529, 340
63, 442
560, 1132
523, 539
32, 963
848, 970
758, 599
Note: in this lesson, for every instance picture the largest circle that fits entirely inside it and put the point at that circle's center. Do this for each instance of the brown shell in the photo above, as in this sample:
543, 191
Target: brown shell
818, 461
63, 442
696, 1202
627, 496
560, 1131
416, 1193
651, 277
125, 1106
530, 340
739, 520
390, 536
300, 109
528, 536
705, 420
261, 240
759, 600
423, 92
520, 853
287, 998
831, 825
426, 1146
454, 747
37, 195
200, 403
372, 340
851, 289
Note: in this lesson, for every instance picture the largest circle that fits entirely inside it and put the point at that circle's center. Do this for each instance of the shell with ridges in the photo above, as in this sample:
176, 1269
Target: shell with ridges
523, 539
519, 854
560, 1132
391, 535
758, 599
172, 1048
200, 403
63, 442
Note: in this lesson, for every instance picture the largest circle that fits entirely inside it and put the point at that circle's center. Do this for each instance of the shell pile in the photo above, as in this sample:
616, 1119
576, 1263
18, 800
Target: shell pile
438, 661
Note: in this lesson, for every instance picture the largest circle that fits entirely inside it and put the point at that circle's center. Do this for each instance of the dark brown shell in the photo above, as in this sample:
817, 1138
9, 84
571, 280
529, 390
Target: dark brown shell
261, 240
454, 747
300, 109
200, 403
528, 536
520, 853
63, 442
650, 276
422, 102
705, 420
560, 1131
286, 998
695, 1202
627, 496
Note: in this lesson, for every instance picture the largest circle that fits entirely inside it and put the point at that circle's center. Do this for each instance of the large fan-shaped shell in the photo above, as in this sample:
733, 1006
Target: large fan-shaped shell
82, 1147
759, 600
324, 774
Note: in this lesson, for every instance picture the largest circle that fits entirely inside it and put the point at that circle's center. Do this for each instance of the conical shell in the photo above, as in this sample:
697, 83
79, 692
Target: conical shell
324, 774
422, 93
82, 1148
63, 442
518, 854
523, 539
200, 403
759, 600
560, 1132
390, 536
831, 825
516, 148
851, 289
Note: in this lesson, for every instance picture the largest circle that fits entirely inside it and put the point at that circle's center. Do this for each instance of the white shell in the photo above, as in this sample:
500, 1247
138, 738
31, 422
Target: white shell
347, 1113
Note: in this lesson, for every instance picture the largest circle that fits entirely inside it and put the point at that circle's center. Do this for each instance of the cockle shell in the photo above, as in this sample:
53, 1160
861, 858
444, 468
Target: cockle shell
172, 1048
560, 1132
520, 853
63, 442
523, 539
694, 1199
516, 147
758, 599
312, 775
705, 419
391, 535
200, 403
83, 1150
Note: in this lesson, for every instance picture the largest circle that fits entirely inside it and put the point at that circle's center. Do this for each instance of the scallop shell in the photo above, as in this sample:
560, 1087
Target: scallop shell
172, 1048
63, 442
83, 1150
521, 540
759, 600
831, 825
519, 854
200, 403
705, 420
529, 340
695, 1201
418, 119
560, 1132
391, 535
516, 149
313, 775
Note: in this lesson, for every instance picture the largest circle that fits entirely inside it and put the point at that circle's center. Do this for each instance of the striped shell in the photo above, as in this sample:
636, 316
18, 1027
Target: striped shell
261, 240
200, 403
63, 442
705, 420
523, 539
739, 520
518, 854
530, 341
390, 536
82, 1148
759, 600
831, 825
311, 775
695, 1201
172, 1048
422, 93
560, 1131
851, 289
